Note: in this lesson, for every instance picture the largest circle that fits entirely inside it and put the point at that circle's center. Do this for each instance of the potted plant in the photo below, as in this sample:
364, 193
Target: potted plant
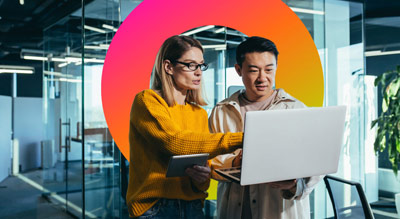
388, 122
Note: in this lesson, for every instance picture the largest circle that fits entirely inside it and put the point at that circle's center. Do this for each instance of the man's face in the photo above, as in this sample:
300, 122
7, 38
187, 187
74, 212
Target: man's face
258, 75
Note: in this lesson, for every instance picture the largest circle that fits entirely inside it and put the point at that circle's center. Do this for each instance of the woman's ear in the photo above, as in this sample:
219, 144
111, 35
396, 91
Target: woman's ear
168, 67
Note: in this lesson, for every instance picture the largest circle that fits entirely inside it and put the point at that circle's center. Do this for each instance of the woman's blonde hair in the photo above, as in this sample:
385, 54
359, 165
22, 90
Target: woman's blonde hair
172, 49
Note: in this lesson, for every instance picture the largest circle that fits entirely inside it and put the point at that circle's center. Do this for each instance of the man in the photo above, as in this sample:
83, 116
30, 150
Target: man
256, 64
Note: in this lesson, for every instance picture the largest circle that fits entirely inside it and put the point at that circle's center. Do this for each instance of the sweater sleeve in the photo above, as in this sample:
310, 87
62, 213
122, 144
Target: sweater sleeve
151, 118
223, 160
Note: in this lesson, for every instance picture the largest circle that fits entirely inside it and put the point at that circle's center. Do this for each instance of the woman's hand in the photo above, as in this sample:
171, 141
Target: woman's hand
199, 174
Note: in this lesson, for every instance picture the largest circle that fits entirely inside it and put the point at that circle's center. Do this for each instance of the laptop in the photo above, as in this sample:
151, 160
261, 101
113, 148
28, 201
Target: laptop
289, 144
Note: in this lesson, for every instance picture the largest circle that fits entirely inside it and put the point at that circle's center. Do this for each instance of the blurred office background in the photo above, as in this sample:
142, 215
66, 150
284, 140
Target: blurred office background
58, 158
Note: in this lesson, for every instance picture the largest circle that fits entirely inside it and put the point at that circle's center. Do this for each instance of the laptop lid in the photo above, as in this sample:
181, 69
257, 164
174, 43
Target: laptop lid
288, 144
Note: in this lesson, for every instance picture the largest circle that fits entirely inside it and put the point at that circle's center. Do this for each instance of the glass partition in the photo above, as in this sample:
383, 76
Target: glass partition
62, 105
101, 182
337, 29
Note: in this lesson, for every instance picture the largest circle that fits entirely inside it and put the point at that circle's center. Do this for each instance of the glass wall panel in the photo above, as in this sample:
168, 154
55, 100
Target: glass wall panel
337, 30
102, 170
62, 105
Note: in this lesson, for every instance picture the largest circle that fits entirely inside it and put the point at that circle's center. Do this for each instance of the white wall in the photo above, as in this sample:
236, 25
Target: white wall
5, 136
388, 181
28, 128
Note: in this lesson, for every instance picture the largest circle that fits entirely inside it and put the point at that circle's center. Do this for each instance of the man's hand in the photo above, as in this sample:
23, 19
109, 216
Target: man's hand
199, 174
285, 185
237, 161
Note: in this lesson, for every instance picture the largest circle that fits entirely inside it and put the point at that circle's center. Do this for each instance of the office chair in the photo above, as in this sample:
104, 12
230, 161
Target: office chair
233, 89
348, 198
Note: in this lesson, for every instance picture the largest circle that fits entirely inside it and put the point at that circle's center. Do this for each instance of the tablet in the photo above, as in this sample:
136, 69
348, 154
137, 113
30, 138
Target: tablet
178, 164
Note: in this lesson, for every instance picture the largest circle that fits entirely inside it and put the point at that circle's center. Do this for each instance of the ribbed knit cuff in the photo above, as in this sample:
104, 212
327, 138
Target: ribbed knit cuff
235, 141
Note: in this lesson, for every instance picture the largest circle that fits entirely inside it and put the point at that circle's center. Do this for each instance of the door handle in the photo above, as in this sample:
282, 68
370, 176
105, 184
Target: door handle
67, 145
69, 135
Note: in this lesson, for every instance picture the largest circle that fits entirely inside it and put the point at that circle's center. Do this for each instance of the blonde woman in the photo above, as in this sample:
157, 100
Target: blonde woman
167, 120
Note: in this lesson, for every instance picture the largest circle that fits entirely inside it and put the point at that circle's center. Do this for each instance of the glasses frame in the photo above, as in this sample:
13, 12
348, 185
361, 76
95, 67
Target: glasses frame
203, 67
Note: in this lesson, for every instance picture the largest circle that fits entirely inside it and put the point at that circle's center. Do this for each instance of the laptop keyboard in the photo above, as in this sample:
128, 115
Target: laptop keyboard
237, 174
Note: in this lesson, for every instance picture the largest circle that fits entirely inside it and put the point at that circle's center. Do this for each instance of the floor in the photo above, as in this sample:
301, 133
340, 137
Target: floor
21, 200
41, 194
384, 208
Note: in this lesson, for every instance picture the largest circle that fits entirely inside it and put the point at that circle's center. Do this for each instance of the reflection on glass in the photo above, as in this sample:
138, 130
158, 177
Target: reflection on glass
62, 101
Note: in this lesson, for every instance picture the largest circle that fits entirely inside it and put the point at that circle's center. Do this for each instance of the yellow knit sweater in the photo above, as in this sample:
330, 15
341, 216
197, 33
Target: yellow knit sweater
158, 132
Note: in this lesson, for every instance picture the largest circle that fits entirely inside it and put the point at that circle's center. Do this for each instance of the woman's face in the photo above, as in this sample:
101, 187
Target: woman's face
184, 78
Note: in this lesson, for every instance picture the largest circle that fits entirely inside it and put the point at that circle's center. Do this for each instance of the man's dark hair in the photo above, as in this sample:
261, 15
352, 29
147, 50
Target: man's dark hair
255, 44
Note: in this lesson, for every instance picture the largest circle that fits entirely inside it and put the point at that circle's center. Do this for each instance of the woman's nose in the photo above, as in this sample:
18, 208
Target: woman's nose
198, 72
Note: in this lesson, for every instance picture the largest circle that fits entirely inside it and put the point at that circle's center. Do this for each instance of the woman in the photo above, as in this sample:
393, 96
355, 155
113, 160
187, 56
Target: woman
167, 120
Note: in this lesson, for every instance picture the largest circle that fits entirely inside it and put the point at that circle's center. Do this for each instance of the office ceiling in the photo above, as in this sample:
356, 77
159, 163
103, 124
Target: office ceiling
22, 25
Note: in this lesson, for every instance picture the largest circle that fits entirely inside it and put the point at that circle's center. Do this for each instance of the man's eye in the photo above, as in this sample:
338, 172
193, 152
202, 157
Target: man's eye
192, 65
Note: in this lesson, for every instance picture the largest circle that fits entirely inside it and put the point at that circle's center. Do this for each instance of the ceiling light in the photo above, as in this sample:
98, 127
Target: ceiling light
94, 29
380, 53
21, 2
222, 29
220, 46
52, 73
218, 40
19, 71
62, 64
307, 11
200, 29
95, 60
58, 59
16, 69
95, 47
38, 58
41, 58
105, 45
110, 27
101, 46
73, 59
57, 74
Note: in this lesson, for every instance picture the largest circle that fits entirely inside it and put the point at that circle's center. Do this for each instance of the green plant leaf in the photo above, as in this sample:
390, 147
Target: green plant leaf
393, 88
385, 102
387, 76
378, 140
378, 80
388, 123
382, 143
374, 122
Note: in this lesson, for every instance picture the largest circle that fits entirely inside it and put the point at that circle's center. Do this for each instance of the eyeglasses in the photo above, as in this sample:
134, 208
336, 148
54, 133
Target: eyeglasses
193, 66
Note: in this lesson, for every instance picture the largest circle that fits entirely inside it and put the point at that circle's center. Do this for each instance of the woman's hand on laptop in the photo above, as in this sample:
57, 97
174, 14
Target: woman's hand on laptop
285, 185
199, 174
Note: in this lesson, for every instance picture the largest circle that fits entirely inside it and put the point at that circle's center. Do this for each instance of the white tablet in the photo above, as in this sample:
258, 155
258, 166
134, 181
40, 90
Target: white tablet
178, 164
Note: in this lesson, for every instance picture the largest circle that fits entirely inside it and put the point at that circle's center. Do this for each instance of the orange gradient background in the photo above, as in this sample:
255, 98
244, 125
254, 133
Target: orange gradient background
132, 52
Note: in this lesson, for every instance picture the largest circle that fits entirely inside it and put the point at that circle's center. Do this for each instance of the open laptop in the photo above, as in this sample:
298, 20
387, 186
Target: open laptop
289, 144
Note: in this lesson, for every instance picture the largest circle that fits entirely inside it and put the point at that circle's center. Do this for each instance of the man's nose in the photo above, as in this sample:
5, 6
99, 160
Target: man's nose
262, 77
